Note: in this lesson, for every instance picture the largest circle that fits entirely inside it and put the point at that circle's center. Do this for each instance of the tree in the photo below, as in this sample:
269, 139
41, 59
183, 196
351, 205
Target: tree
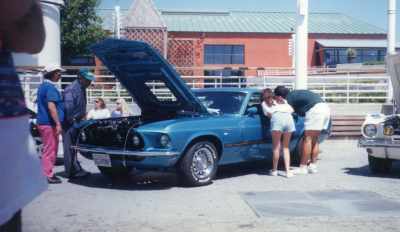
80, 27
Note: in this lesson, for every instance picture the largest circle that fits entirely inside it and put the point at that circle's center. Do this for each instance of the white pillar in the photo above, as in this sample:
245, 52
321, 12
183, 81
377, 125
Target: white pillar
391, 41
301, 44
117, 22
51, 52
391, 34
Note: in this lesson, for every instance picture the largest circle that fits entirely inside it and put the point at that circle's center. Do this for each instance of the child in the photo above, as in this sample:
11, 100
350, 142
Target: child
282, 126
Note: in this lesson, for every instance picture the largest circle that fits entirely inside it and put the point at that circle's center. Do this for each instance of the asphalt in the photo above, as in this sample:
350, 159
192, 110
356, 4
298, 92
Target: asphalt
343, 196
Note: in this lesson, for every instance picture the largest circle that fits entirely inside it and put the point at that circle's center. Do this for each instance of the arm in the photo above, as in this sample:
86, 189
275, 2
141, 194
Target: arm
266, 109
53, 113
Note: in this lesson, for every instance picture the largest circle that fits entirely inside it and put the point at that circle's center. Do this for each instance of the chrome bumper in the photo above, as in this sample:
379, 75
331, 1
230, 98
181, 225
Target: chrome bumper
363, 142
128, 153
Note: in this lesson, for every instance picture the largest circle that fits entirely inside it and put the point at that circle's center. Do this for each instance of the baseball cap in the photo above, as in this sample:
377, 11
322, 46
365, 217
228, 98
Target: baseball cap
84, 72
53, 67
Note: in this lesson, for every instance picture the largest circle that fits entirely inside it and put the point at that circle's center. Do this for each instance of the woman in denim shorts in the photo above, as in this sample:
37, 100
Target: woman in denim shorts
282, 127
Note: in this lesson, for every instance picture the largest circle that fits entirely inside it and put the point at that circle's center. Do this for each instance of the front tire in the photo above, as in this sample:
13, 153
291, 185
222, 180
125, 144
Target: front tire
199, 165
379, 165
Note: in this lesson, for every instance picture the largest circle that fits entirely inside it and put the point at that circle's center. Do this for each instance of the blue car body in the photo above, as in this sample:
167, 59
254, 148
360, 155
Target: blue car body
166, 130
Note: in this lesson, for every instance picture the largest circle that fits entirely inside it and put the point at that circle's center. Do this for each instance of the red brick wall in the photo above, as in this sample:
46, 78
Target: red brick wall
261, 50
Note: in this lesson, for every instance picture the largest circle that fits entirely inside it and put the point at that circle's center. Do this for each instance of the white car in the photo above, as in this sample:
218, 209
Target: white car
381, 138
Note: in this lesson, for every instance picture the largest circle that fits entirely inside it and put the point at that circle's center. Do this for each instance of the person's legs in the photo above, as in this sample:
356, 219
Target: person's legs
70, 160
286, 151
276, 148
50, 147
315, 148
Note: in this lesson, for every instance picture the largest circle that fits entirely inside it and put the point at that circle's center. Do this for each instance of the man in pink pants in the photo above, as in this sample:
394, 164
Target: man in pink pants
49, 118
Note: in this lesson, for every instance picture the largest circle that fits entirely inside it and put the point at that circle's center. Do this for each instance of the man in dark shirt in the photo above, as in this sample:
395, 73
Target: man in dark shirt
316, 115
75, 111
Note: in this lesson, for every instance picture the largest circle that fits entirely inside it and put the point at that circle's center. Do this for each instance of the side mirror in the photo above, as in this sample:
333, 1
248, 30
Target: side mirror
252, 111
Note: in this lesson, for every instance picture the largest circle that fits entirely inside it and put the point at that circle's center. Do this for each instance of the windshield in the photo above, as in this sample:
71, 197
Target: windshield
222, 102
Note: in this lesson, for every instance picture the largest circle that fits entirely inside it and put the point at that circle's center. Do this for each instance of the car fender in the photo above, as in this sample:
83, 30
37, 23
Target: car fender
200, 135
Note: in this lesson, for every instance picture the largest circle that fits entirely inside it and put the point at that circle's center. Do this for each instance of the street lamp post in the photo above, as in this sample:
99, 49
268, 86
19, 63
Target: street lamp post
301, 44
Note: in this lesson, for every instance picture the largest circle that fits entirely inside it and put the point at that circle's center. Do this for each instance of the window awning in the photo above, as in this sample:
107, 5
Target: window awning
354, 43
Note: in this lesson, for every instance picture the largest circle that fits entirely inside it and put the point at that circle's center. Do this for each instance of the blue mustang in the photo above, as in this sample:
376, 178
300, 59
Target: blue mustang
193, 131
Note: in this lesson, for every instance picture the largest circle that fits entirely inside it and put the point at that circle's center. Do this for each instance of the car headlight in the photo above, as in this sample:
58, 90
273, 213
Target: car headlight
370, 130
165, 141
136, 140
388, 130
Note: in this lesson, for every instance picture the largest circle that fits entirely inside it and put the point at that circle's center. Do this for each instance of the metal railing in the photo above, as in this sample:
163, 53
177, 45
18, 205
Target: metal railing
341, 88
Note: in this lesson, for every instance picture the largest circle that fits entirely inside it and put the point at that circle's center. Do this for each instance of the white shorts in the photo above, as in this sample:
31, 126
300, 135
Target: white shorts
317, 118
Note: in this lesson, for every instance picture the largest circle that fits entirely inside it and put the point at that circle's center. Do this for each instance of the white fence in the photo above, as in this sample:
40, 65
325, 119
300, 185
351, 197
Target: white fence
339, 88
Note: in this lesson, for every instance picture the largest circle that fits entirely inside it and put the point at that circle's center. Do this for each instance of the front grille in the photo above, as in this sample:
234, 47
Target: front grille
108, 132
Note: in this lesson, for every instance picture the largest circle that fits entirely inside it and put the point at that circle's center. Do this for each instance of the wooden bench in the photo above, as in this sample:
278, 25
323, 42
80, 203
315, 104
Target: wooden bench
346, 126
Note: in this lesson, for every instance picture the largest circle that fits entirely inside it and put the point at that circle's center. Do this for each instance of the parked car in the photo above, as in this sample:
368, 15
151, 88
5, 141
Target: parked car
381, 138
192, 132
381, 132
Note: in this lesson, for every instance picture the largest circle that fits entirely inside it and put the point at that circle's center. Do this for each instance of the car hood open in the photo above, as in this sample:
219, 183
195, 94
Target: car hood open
393, 66
136, 64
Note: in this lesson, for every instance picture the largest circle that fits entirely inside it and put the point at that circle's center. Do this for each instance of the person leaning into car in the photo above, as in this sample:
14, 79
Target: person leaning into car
316, 119
49, 118
75, 111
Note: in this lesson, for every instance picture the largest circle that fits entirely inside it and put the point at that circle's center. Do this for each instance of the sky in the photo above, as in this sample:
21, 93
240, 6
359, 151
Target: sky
371, 11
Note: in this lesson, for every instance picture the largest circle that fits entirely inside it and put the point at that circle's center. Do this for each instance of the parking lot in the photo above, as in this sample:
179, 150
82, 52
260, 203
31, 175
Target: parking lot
343, 196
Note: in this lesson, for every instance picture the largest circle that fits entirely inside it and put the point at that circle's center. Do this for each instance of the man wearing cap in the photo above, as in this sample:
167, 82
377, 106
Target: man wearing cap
75, 111
49, 118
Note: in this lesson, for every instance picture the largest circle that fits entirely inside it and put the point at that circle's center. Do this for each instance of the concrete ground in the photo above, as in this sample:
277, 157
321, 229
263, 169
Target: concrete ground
343, 196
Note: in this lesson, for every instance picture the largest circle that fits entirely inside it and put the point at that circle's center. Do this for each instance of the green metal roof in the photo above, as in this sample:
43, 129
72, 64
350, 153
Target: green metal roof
263, 22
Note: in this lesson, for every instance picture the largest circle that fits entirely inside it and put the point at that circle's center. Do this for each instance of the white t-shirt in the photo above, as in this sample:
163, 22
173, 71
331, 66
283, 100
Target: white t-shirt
276, 107
21, 178
98, 114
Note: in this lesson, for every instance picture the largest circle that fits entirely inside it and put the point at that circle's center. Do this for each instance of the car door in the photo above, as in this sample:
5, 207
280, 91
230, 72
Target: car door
255, 130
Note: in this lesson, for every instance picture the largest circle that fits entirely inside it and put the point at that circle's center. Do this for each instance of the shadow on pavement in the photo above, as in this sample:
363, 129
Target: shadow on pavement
135, 181
257, 167
157, 180
364, 171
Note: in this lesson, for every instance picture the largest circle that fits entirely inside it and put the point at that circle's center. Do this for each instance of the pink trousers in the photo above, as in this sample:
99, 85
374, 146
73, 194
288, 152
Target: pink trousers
50, 148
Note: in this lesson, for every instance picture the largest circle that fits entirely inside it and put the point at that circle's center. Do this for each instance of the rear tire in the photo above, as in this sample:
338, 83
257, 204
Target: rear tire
379, 165
199, 165
115, 172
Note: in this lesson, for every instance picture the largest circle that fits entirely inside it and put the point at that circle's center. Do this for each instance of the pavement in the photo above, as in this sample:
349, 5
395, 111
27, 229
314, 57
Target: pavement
343, 196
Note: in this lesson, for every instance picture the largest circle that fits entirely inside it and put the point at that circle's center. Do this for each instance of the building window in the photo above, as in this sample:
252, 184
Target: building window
223, 54
333, 56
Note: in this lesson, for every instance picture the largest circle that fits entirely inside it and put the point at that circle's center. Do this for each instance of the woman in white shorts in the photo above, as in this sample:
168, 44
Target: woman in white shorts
282, 127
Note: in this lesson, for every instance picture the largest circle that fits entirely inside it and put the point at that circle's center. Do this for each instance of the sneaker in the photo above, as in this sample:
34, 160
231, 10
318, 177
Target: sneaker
300, 171
54, 180
289, 174
312, 168
273, 173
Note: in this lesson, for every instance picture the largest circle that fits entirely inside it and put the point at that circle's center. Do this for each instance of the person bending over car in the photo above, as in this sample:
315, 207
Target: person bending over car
75, 111
282, 127
317, 116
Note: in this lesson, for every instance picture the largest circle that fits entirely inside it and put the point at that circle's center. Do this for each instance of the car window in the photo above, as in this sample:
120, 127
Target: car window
255, 99
223, 102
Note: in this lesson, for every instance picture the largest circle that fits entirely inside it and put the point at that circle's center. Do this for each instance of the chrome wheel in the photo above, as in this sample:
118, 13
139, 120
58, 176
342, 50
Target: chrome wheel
203, 161
199, 165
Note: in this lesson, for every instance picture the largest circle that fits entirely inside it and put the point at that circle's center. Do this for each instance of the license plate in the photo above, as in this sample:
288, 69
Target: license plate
102, 160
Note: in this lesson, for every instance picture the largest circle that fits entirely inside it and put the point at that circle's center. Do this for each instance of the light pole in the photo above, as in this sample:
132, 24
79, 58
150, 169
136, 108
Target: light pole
391, 41
301, 44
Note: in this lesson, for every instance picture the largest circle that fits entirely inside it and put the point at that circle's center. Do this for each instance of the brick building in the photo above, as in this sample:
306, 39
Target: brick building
234, 41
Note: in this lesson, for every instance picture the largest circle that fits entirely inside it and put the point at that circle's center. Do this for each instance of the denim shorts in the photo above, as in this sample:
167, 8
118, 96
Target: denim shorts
282, 122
